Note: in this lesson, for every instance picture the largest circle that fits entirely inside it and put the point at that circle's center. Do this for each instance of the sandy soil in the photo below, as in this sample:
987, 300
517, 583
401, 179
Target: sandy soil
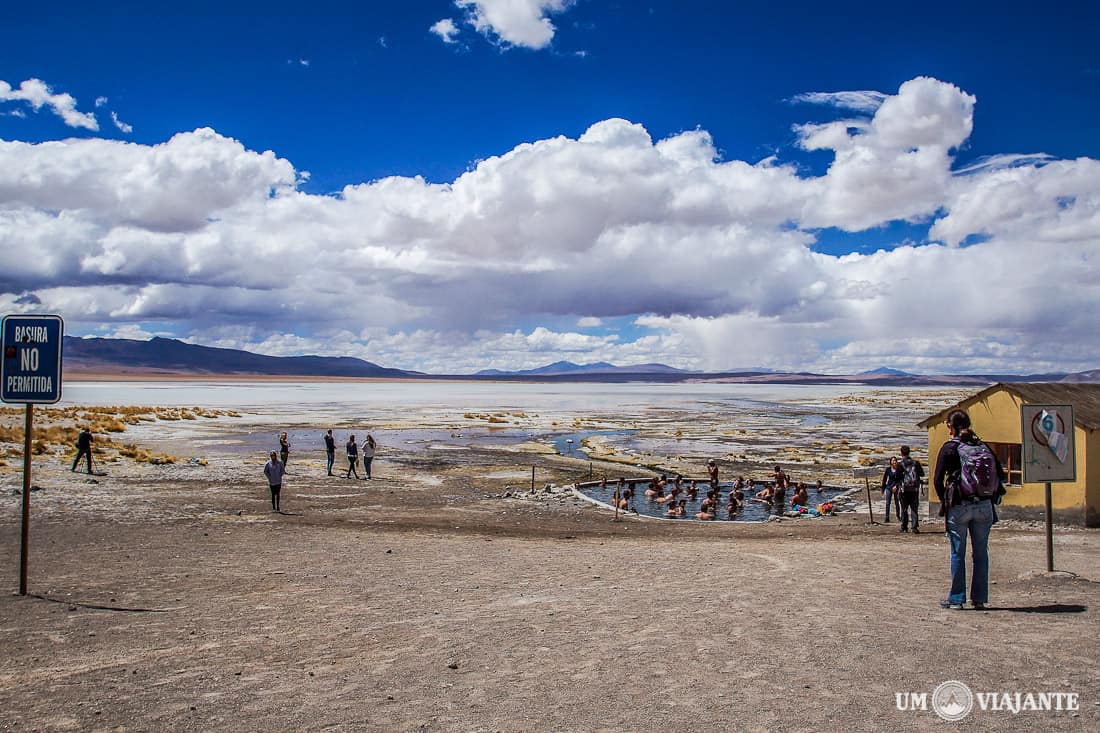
169, 598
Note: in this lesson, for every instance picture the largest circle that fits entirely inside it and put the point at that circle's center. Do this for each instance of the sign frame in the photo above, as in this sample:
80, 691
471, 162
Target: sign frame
1040, 464
13, 358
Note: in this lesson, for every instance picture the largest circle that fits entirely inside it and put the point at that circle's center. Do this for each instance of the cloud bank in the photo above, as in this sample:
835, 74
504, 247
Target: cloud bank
658, 249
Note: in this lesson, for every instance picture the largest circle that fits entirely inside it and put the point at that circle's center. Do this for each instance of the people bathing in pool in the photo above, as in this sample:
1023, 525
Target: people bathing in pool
670, 498
771, 495
677, 510
781, 478
734, 506
801, 497
779, 498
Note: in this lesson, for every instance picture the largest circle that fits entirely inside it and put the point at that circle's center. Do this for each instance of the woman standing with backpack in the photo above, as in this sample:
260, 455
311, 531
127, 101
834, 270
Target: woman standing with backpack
968, 481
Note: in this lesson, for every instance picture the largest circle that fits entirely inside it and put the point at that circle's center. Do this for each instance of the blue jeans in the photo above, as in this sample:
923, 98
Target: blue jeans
975, 520
889, 494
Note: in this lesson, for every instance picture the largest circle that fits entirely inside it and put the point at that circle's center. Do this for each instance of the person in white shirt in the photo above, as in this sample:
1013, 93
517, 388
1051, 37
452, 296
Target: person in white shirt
274, 471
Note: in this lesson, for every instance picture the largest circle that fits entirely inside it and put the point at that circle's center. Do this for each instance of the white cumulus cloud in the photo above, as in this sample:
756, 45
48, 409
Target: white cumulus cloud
523, 23
38, 94
446, 30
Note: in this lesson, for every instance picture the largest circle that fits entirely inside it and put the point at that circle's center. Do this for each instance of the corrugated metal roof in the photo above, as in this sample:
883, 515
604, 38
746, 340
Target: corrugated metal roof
1085, 399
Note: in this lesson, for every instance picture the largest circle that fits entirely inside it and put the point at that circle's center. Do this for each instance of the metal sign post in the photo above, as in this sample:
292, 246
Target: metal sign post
30, 373
1048, 454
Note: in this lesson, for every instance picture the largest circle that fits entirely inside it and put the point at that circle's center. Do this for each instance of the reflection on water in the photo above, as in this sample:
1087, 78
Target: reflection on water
753, 511
570, 444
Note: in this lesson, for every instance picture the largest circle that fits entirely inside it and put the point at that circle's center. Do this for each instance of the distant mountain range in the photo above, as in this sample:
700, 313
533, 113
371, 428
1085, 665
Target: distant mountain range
888, 372
170, 357
559, 368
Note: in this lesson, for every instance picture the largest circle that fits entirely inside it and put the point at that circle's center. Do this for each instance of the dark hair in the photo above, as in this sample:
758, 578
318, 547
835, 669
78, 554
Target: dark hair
959, 422
905, 450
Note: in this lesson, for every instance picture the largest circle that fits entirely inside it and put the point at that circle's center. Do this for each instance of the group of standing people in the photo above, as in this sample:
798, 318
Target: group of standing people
366, 448
275, 469
901, 484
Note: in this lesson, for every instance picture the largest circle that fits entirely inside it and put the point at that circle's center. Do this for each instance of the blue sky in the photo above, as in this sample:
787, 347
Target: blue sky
451, 186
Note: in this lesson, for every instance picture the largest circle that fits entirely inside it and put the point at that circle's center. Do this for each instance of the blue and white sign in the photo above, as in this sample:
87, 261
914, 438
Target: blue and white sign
30, 371
1048, 450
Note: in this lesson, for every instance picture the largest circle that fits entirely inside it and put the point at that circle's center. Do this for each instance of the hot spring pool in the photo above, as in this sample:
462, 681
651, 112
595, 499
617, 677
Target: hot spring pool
753, 511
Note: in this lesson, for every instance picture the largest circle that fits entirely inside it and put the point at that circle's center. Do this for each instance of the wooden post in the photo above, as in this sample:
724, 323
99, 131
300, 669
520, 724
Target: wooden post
870, 508
532, 479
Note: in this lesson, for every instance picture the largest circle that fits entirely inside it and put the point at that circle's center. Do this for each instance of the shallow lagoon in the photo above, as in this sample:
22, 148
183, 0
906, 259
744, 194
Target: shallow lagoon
344, 398
817, 431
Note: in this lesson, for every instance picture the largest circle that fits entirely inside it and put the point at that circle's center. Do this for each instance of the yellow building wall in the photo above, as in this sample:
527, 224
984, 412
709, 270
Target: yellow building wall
996, 418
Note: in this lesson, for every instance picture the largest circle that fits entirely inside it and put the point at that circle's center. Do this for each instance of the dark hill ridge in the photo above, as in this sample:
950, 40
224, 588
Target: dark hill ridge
171, 355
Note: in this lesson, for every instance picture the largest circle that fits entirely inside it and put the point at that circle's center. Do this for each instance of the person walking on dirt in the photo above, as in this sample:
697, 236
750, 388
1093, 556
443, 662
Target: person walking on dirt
274, 471
911, 475
368, 454
330, 450
353, 457
83, 448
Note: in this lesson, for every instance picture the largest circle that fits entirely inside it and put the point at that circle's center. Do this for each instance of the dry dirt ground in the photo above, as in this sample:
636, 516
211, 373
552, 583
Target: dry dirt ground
170, 598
